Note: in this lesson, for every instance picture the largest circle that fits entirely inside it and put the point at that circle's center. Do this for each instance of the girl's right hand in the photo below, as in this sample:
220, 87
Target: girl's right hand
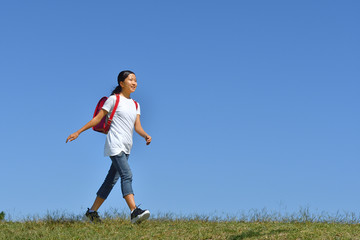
72, 137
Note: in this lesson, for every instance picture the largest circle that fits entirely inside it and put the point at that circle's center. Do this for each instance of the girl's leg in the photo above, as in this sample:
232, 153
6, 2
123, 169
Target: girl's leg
105, 189
130, 200
97, 203
120, 162
122, 165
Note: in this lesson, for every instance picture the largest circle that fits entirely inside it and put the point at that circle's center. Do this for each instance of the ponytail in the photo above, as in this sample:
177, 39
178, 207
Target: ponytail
117, 90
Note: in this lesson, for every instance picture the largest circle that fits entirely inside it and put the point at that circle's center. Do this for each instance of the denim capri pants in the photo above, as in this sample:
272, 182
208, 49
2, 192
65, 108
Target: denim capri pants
119, 168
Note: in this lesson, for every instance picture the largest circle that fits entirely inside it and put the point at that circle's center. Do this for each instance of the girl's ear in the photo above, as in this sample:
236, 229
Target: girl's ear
121, 84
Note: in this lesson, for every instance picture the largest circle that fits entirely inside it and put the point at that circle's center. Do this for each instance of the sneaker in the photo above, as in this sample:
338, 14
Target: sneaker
93, 216
139, 215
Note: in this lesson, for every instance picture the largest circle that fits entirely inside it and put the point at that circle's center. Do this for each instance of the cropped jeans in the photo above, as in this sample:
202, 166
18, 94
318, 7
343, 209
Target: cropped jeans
119, 168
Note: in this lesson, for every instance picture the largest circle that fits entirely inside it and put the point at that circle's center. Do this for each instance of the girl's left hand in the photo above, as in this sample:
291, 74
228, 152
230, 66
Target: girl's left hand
72, 137
148, 139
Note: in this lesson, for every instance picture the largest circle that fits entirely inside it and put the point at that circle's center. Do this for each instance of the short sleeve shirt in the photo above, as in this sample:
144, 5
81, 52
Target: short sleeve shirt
120, 136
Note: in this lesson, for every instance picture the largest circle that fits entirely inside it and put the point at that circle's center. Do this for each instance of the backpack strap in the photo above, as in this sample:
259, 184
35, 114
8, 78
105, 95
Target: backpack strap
114, 110
136, 104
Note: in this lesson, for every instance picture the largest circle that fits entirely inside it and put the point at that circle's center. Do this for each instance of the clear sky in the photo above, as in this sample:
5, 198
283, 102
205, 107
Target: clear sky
250, 104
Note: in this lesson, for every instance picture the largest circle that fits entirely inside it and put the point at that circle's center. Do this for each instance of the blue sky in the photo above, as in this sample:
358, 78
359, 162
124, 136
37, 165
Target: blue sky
251, 104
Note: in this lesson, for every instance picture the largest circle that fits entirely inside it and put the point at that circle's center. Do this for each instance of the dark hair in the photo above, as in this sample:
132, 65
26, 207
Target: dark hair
121, 77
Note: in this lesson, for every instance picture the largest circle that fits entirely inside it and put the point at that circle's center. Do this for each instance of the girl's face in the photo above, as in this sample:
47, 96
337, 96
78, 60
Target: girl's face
129, 84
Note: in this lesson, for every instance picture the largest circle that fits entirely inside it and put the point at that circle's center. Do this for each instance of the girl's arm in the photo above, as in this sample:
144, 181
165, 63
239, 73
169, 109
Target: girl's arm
140, 130
93, 122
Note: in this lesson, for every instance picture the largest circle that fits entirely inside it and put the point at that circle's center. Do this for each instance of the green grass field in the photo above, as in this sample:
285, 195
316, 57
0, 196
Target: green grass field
55, 226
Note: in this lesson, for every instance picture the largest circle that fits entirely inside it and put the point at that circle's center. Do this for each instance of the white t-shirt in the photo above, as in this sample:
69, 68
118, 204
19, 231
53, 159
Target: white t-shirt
120, 136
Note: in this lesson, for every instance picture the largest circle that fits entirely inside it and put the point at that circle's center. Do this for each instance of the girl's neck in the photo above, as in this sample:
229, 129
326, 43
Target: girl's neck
125, 95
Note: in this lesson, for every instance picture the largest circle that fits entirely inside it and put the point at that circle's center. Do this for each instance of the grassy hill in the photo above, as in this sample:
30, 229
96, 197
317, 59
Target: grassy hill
119, 227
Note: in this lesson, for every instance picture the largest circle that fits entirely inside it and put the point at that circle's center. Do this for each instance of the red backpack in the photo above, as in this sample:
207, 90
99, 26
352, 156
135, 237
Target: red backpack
104, 125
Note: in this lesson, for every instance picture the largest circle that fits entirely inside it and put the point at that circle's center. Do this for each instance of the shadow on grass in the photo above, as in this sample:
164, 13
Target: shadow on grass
246, 234
252, 233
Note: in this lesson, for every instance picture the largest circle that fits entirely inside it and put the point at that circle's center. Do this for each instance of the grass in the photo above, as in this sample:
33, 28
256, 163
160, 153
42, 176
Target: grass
254, 225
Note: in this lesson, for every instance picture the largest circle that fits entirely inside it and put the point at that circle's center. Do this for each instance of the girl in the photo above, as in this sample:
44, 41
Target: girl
118, 145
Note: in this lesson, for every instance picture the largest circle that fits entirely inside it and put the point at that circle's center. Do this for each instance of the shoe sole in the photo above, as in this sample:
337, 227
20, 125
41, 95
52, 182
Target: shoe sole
142, 217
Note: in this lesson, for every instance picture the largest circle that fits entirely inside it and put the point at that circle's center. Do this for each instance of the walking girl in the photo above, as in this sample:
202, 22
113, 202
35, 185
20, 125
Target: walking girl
118, 145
